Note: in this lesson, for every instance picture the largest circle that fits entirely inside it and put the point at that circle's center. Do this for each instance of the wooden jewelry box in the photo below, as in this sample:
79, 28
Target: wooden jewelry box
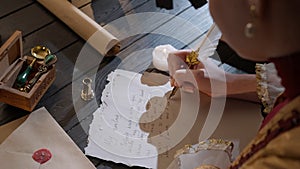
12, 62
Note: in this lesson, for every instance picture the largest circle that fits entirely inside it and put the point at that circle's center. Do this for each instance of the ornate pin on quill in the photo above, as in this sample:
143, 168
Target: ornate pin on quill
207, 48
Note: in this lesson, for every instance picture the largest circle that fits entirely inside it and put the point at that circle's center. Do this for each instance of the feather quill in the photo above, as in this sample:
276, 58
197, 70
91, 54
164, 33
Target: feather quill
210, 42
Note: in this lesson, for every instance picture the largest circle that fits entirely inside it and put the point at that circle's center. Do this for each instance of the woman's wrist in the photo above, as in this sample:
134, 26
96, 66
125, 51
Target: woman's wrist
240, 83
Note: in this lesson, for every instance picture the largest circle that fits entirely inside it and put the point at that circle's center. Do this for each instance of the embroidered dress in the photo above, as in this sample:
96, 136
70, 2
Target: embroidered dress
277, 143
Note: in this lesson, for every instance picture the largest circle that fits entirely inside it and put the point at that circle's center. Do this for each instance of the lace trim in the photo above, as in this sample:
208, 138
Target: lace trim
269, 86
262, 87
210, 144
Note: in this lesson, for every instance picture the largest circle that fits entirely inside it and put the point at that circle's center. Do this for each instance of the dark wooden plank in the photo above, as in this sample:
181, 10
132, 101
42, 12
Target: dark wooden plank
80, 3
150, 6
178, 27
138, 56
27, 20
9, 6
201, 21
55, 36
106, 11
9, 113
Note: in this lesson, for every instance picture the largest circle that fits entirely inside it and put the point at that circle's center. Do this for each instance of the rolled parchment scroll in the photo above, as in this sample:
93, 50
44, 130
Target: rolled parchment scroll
99, 38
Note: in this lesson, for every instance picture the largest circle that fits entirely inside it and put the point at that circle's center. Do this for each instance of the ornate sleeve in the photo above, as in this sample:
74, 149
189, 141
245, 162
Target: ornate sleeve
268, 85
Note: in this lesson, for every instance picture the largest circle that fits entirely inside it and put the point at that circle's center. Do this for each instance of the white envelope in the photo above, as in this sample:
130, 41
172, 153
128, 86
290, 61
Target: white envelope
39, 131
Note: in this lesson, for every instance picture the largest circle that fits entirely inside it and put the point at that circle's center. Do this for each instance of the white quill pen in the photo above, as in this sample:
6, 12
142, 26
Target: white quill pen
210, 42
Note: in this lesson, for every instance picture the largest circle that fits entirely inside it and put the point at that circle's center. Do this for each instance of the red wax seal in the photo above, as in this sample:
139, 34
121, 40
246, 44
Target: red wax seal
42, 155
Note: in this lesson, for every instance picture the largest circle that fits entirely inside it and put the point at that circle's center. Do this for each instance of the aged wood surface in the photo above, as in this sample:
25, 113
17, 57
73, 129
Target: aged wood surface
40, 27
7, 6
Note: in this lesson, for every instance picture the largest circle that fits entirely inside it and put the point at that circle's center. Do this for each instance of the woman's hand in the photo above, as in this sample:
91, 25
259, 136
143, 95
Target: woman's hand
210, 79
207, 77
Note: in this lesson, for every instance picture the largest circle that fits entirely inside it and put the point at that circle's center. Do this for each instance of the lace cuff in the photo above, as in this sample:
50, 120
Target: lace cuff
214, 153
268, 85
210, 144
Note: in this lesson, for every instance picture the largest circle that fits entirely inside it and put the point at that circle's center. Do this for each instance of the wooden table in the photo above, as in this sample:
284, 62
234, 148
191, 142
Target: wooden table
40, 27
